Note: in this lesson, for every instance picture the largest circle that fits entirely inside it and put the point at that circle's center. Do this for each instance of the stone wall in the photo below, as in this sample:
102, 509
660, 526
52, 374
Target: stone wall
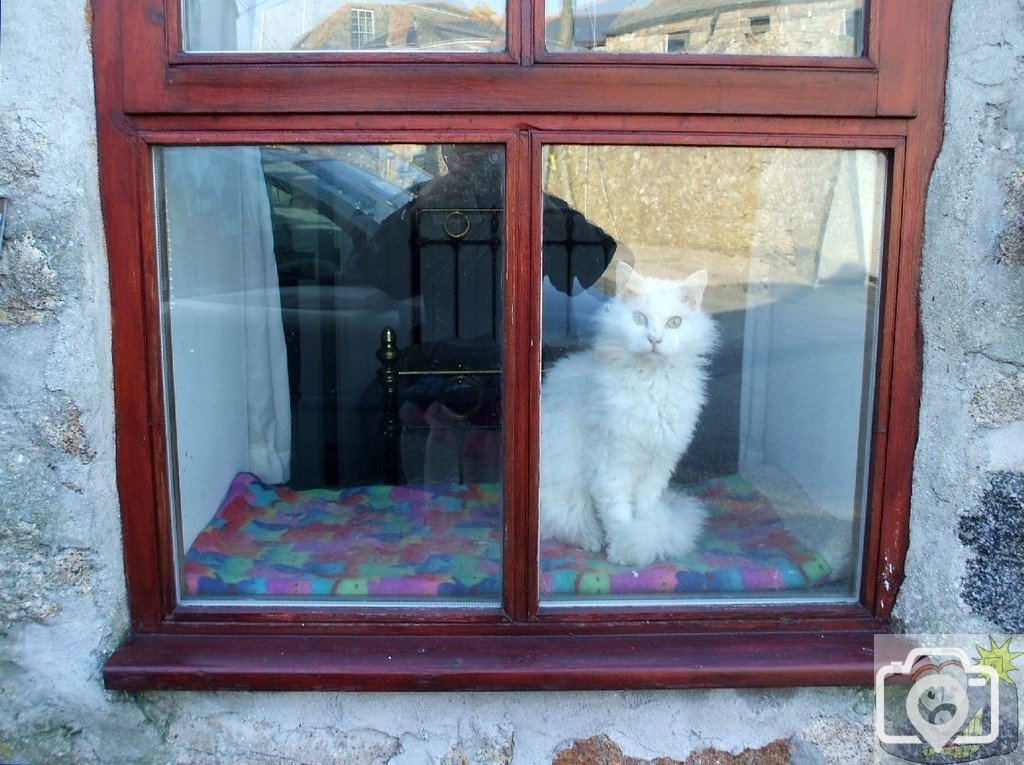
62, 597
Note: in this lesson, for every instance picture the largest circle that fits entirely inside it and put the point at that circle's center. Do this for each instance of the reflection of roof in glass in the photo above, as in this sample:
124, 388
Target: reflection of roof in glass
404, 24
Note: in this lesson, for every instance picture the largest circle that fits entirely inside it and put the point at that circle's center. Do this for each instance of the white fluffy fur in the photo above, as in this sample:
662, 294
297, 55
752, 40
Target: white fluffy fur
616, 418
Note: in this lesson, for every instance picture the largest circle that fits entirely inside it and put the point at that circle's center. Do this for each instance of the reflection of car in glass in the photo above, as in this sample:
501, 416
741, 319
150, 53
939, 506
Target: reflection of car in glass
324, 208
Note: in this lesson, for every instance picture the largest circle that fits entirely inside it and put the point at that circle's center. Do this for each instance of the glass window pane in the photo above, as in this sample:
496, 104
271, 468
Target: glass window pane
768, 27
327, 25
332, 345
706, 403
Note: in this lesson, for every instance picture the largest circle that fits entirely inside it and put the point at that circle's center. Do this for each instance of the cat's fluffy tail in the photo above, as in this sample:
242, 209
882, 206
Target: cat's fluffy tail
668, 531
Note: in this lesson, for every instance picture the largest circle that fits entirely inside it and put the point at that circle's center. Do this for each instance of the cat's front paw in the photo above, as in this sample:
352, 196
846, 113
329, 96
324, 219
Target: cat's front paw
592, 543
631, 552
591, 537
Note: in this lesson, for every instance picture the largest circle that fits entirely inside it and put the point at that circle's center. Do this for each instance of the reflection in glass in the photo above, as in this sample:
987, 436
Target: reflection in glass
332, 342
327, 25
774, 453
758, 27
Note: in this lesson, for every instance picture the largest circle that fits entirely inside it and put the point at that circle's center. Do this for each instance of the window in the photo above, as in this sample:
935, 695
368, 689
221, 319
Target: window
789, 240
760, 25
300, 25
708, 27
361, 27
500, 346
677, 42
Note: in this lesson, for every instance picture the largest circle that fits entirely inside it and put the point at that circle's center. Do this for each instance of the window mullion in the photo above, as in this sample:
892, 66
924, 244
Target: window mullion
522, 375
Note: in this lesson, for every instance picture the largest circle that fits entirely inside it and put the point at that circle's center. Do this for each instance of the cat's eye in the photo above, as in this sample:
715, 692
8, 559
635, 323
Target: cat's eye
674, 322
640, 318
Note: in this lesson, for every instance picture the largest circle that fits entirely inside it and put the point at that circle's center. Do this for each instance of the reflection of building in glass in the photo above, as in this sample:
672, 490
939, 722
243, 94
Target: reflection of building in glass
677, 42
402, 25
362, 27
786, 27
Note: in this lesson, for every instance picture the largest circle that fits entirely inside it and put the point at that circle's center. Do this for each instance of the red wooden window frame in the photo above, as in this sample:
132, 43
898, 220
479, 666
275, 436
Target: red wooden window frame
150, 93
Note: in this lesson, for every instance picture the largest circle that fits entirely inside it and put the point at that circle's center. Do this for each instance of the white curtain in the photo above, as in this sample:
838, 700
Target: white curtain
229, 363
252, 25
266, 362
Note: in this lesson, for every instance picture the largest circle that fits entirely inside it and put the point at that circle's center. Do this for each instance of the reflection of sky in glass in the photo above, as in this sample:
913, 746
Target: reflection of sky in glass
582, 7
592, 7
279, 24
255, 6
311, 12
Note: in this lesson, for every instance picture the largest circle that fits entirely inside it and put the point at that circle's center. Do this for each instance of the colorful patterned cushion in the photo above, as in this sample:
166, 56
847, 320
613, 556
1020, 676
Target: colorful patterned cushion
444, 541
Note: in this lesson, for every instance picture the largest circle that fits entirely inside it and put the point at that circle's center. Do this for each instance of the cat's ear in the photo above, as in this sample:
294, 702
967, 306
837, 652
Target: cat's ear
692, 289
627, 281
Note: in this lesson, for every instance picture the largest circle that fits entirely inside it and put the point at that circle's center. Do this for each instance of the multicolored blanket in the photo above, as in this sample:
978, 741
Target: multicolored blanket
405, 542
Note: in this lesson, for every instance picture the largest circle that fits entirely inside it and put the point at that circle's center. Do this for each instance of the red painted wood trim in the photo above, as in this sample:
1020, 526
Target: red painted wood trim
162, 78
924, 141
552, 618
879, 439
516, 384
872, 33
174, 29
120, 156
307, 128
356, 618
154, 83
640, 137
549, 88
204, 662
534, 223
162, 563
900, 61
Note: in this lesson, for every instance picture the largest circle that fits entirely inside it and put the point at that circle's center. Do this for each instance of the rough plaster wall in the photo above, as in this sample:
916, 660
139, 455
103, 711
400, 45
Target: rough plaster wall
61, 584
972, 412
62, 600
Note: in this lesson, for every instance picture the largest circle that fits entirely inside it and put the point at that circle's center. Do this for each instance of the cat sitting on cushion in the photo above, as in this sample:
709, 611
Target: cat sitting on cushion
616, 418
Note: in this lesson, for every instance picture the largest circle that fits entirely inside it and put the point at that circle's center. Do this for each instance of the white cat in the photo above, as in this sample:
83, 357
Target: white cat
616, 418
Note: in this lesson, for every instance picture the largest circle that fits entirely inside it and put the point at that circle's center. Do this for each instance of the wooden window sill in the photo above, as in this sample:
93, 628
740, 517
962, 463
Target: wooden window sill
492, 662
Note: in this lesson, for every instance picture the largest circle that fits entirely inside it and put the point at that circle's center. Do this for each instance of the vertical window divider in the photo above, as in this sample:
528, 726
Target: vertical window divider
522, 377
531, 20
535, 240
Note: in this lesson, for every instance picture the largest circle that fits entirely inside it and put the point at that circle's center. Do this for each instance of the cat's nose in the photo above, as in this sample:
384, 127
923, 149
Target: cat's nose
654, 340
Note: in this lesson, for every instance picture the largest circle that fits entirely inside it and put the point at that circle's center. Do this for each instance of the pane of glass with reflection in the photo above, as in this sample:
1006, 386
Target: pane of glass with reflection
327, 25
332, 345
758, 28
707, 398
